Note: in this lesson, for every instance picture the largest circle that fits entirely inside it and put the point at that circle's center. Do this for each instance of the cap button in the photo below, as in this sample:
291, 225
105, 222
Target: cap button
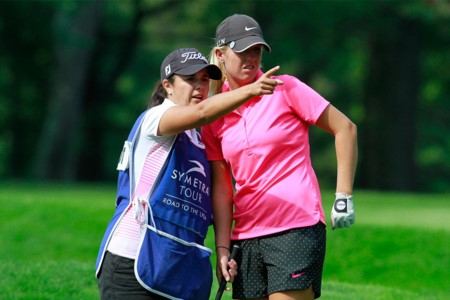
232, 44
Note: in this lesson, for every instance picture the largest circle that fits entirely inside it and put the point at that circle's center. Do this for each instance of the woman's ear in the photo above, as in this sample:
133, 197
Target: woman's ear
219, 55
167, 86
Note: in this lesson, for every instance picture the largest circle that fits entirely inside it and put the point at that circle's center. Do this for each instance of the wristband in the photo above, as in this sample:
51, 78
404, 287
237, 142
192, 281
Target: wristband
217, 247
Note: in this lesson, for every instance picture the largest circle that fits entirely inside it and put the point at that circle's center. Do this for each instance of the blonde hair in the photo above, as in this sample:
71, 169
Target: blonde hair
215, 86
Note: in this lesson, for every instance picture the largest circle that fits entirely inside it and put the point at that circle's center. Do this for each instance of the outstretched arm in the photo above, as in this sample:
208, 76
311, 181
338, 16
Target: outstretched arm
180, 118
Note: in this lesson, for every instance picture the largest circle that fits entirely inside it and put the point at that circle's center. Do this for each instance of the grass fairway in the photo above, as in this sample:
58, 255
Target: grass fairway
398, 249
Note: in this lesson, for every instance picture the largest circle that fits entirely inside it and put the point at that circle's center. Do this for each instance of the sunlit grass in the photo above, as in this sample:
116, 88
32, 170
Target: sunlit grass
50, 234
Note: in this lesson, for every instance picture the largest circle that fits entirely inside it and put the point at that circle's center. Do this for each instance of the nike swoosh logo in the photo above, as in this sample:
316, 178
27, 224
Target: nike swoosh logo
249, 28
297, 275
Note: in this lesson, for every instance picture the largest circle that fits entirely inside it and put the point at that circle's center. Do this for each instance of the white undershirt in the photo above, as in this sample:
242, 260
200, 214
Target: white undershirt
126, 237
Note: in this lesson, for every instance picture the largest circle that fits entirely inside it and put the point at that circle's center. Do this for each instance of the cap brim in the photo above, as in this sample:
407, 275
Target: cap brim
247, 42
213, 71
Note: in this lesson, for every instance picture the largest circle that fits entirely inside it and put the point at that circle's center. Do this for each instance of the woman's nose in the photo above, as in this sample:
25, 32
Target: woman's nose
201, 84
251, 56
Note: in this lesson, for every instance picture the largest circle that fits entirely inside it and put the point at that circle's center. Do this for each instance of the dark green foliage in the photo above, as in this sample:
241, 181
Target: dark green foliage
383, 63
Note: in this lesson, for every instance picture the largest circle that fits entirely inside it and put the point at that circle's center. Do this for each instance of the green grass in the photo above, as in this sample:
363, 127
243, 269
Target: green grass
398, 248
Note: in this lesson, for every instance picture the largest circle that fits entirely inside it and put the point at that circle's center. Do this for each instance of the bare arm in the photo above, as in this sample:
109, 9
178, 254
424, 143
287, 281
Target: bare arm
345, 133
180, 118
222, 201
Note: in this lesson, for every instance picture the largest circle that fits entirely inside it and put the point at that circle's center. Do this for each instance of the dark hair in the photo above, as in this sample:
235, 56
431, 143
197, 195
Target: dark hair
159, 93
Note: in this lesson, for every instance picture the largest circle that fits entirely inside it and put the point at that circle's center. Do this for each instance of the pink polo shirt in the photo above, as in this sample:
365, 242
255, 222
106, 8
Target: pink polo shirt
267, 146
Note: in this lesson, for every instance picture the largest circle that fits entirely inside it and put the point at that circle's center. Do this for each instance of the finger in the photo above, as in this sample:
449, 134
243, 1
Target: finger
232, 269
271, 84
336, 223
225, 274
232, 264
268, 87
272, 71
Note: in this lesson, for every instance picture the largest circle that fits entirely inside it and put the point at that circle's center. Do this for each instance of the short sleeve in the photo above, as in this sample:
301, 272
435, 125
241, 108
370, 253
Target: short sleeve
303, 100
153, 117
212, 143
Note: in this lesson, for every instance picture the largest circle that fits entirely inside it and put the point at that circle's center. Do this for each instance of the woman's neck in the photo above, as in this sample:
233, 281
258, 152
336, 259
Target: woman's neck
233, 84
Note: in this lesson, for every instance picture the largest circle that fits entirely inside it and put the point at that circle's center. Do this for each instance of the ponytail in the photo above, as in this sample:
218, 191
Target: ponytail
159, 93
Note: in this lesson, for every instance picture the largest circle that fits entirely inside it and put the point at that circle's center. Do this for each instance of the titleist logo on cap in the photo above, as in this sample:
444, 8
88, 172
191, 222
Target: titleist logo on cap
192, 55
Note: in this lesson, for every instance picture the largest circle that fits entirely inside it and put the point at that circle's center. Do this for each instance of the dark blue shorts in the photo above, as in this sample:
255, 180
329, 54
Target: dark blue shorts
289, 260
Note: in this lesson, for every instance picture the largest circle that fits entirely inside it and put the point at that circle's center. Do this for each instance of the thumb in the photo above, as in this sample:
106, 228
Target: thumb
225, 274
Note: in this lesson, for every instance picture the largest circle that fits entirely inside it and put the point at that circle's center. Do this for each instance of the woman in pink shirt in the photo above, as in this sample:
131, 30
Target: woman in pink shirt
276, 207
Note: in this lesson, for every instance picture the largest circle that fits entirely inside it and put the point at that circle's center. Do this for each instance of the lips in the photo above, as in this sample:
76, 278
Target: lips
198, 97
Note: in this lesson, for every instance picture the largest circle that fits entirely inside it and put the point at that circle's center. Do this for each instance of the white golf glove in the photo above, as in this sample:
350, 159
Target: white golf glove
342, 213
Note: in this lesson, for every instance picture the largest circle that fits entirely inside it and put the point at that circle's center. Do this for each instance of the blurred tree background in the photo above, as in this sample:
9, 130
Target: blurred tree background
74, 75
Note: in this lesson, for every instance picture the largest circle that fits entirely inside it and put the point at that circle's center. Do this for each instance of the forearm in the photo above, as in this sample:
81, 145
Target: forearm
223, 103
223, 217
347, 156
222, 203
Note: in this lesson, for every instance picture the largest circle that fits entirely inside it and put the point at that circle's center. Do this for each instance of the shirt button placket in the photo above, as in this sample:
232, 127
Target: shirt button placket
247, 146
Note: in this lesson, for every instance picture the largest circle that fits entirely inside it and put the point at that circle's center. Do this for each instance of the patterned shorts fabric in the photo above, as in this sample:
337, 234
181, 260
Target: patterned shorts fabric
289, 260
